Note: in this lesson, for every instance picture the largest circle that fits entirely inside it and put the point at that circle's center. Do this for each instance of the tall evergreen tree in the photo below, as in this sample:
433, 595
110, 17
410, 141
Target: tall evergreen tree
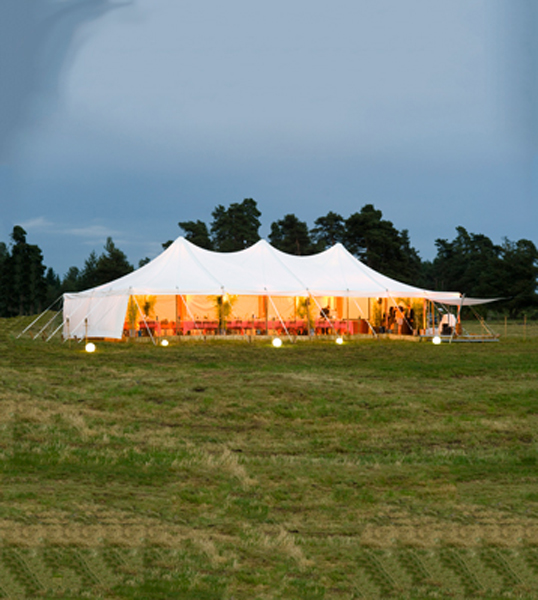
328, 230
473, 264
291, 235
377, 243
72, 281
520, 275
3, 253
470, 263
24, 289
112, 264
89, 277
196, 232
236, 227
54, 286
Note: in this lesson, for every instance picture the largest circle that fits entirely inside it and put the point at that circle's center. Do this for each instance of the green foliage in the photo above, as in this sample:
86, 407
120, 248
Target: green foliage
111, 265
97, 270
304, 311
291, 235
71, 281
132, 312
148, 305
197, 233
90, 277
236, 227
223, 308
377, 243
54, 286
520, 275
474, 265
22, 277
328, 231
143, 261
233, 228
3, 253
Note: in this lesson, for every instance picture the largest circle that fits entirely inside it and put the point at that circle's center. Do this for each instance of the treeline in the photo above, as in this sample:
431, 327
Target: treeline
27, 287
470, 263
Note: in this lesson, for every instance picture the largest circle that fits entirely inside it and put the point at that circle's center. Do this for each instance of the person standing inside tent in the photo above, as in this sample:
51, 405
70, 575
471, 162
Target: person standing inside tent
391, 319
325, 315
400, 320
410, 317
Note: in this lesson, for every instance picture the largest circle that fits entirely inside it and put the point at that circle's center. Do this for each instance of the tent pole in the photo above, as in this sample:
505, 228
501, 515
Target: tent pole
88, 314
458, 319
191, 315
37, 319
266, 309
280, 319
374, 332
347, 311
483, 322
145, 322
328, 318
45, 326
234, 316
424, 308
55, 332
403, 314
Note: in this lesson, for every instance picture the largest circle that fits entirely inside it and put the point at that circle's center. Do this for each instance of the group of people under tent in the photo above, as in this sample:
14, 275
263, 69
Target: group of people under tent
400, 320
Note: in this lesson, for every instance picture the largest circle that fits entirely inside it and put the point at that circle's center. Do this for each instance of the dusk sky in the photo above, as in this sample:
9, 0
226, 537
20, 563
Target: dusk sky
121, 118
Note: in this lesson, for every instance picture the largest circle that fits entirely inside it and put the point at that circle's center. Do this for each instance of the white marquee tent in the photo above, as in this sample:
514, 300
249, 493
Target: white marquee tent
185, 270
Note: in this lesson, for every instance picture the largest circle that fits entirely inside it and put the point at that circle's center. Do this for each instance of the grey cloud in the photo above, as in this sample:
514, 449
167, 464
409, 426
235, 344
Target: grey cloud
36, 40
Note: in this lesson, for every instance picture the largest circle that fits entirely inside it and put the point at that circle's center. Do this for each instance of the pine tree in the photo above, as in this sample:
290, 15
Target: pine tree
328, 231
236, 227
196, 232
291, 235
24, 288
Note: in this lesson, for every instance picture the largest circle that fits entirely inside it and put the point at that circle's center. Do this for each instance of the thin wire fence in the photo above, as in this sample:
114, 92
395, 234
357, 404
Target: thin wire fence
520, 328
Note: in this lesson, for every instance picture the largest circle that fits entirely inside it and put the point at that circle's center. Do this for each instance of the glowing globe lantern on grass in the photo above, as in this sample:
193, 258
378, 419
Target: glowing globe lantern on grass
90, 347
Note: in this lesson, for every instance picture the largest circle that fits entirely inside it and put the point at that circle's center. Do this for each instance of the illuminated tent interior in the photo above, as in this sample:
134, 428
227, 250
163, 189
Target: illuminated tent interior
188, 290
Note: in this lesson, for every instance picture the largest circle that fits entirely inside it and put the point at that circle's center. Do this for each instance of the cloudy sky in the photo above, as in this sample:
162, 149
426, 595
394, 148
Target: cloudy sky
122, 117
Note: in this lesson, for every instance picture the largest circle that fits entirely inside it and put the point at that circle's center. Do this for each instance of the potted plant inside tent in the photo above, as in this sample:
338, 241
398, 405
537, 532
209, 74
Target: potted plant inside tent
132, 315
223, 305
304, 312
148, 306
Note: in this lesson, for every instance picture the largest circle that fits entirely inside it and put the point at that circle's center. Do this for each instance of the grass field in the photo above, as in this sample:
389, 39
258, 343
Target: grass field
229, 470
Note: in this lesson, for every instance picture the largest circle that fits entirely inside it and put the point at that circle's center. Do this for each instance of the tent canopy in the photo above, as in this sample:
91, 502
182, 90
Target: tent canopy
261, 270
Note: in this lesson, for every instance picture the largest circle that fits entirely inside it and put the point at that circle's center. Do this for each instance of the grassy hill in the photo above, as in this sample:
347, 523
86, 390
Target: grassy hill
229, 470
